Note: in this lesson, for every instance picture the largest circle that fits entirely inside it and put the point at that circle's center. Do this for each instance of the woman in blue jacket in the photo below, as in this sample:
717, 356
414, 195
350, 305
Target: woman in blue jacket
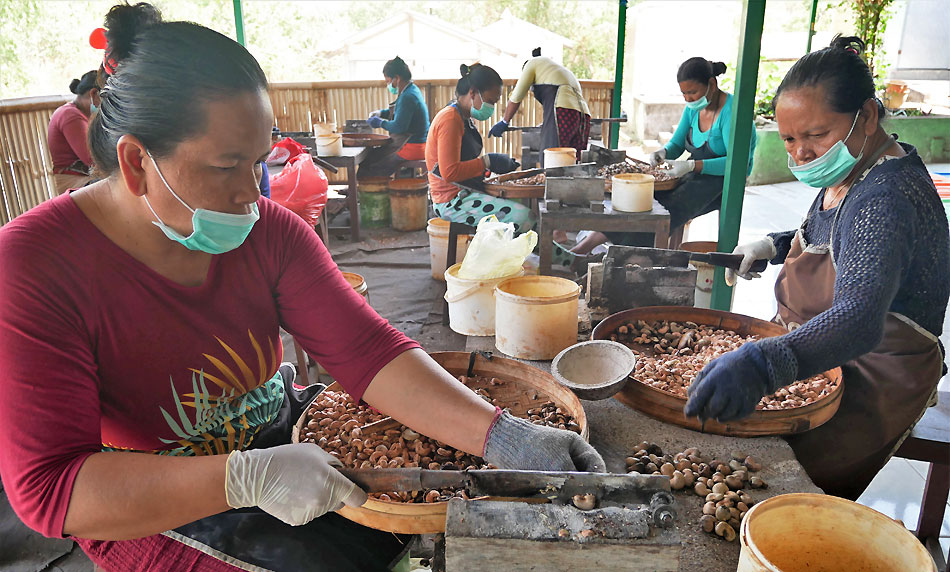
407, 120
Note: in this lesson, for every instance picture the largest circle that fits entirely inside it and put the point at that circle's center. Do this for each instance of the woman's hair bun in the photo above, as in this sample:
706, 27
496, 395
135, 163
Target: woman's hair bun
124, 22
851, 44
73, 85
718, 68
464, 70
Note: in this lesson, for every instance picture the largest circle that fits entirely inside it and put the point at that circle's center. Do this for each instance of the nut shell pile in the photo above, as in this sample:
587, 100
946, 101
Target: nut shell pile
336, 423
721, 483
628, 167
681, 350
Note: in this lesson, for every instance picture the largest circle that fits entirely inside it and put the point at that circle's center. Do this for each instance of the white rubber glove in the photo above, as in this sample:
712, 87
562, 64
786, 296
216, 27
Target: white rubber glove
677, 169
762, 249
376, 113
657, 157
295, 483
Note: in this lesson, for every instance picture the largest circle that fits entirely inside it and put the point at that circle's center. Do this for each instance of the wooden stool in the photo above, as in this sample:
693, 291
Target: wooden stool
930, 442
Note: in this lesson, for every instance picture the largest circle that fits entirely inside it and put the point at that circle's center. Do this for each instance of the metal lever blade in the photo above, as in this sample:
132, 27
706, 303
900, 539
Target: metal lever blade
559, 486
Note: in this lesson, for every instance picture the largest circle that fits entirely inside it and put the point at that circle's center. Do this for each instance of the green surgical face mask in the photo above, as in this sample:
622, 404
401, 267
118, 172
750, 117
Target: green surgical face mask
214, 232
700, 103
832, 167
392, 88
482, 113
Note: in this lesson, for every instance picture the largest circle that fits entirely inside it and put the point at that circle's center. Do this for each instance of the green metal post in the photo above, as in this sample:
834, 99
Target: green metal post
239, 22
743, 107
618, 74
811, 24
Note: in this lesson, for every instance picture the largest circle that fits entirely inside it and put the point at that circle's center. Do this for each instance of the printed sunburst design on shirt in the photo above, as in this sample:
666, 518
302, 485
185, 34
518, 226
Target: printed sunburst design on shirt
228, 420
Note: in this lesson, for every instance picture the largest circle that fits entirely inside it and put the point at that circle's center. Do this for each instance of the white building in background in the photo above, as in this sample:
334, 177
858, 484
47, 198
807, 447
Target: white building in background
521, 37
434, 48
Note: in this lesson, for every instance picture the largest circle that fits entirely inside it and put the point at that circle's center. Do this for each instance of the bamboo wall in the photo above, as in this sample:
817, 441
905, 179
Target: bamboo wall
26, 169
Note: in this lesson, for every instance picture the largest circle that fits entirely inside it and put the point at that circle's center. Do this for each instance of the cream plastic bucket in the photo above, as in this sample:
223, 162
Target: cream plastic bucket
330, 145
632, 192
472, 302
535, 316
705, 273
438, 230
805, 532
560, 156
324, 128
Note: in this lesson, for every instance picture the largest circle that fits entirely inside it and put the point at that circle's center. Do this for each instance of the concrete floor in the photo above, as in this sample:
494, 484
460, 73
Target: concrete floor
896, 491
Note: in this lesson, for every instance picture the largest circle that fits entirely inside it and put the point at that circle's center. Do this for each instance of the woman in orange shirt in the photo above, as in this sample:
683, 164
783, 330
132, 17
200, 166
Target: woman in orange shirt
454, 155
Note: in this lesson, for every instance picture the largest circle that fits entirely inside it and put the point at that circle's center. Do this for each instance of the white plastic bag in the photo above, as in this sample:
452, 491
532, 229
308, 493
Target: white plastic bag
495, 252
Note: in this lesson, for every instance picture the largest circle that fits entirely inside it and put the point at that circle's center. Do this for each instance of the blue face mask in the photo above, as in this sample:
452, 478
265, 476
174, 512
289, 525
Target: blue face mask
699, 104
92, 108
213, 232
832, 167
392, 89
482, 113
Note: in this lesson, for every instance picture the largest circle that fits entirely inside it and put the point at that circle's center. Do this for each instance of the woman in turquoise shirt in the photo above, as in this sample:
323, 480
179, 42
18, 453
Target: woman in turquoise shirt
703, 130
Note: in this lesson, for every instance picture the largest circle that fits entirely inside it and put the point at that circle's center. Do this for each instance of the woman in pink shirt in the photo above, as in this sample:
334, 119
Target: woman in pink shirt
66, 135
143, 410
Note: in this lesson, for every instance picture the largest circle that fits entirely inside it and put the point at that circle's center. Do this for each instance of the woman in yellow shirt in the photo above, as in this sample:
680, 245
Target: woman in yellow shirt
566, 117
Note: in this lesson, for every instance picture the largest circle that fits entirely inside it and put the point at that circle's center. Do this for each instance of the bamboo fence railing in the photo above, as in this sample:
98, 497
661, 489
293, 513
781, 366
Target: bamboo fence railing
26, 169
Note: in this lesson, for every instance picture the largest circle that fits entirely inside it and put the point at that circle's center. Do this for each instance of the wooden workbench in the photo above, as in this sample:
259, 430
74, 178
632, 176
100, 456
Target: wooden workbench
575, 219
615, 430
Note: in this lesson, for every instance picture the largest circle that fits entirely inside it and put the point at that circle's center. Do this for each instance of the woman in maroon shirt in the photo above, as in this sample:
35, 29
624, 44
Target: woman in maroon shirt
66, 135
142, 408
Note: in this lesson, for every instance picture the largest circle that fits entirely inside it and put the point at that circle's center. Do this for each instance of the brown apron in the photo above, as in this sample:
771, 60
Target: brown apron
885, 391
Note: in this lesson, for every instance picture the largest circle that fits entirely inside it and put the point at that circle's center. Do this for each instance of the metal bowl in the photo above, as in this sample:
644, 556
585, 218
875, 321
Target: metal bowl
594, 370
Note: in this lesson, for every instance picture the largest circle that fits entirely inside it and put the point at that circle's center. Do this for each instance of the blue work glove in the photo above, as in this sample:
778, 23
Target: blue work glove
498, 129
730, 386
500, 163
375, 121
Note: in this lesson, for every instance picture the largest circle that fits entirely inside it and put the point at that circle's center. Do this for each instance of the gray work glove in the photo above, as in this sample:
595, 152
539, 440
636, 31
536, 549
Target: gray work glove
514, 443
295, 483
657, 157
762, 249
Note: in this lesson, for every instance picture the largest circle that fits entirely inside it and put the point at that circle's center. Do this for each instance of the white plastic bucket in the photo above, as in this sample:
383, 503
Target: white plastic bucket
632, 192
324, 128
559, 156
472, 302
705, 273
535, 316
330, 145
804, 532
438, 230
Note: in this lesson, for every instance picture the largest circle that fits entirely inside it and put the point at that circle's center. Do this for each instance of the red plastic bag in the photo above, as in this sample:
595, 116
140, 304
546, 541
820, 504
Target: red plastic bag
283, 151
301, 187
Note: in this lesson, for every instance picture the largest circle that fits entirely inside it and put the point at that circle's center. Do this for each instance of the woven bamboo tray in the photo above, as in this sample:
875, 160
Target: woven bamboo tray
527, 387
365, 139
506, 186
667, 185
668, 407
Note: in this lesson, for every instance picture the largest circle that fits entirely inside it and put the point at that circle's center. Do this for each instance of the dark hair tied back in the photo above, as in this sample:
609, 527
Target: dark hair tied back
699, 70
397, 67
478, 77
840, 70
81, 86
165, 75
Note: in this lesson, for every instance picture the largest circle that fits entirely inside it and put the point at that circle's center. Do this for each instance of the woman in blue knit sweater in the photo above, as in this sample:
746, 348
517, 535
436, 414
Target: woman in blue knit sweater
865, 282
406, 120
